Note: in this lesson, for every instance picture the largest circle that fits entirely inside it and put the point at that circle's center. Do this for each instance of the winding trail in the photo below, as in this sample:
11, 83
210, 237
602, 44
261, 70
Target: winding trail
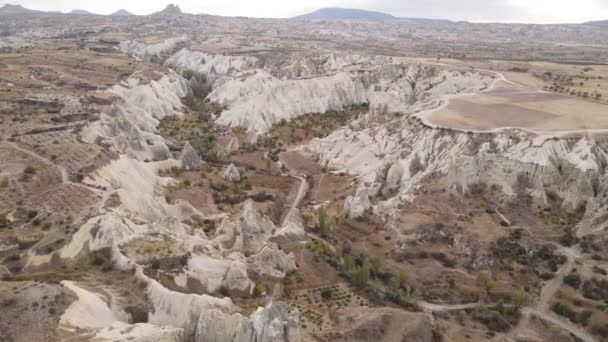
65, 179
563, 324
445, 307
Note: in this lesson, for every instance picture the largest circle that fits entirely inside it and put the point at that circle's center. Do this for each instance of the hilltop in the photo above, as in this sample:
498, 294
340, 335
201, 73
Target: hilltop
15, 9
122, 13
344, 13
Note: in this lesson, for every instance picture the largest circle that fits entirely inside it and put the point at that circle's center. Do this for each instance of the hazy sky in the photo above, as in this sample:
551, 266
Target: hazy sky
539, 11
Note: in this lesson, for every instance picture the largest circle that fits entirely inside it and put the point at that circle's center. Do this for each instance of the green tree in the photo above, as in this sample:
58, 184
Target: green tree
484, 282
326, 294
361, 274
322, 220
347, 247
349, 263
376, 265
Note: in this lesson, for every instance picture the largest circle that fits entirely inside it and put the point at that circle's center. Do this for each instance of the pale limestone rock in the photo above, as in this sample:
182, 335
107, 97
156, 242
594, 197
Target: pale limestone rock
233, 145
236, 279
292, 230
218, 326
273, 324
140, 332
393, 176
189, 157
357, 206
232, 174
270, 264
247, 232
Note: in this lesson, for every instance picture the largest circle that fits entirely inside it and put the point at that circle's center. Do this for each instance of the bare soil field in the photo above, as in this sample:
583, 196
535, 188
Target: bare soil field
513, 107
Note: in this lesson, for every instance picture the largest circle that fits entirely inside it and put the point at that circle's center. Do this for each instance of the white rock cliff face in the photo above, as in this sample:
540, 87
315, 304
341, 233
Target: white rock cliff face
153, 51
258, 94
128, 125
260, 100
572, 168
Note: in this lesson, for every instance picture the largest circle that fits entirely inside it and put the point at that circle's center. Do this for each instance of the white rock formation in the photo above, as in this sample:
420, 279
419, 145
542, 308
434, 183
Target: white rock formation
292, 230
89, 311
233, 145
269, 324
208, 64
140, 332
358, 205
273, 324
129, 124
189, 157
215, 274
232, 174
259, 100
247, 232
512, 162
219, 327
270, 264
157, 51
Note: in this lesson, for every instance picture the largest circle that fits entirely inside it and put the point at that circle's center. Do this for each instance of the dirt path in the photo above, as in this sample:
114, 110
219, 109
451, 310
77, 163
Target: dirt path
445, 307
65, 179
548, 291
563, 324
297, 198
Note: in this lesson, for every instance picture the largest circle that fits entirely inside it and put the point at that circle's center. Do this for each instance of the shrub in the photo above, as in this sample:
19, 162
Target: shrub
322, 220
260, 289
360, 275
484, 282
4, 221
598, 324
573, 280
326, 294
261, 196
564, 310
493, 320
30, 170
200, 87
139, 313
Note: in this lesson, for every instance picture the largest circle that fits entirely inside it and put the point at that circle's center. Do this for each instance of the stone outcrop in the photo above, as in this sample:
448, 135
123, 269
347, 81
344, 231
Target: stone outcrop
247, 232
273, 324
358, 205
292, 230
233, 145
270, 264
189, 157
232, 174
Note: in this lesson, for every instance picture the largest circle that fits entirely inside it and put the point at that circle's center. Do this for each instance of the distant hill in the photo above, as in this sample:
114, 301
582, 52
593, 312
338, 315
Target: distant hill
344, 13
16, 9
122, 13
81, 12
169, 10
598, 23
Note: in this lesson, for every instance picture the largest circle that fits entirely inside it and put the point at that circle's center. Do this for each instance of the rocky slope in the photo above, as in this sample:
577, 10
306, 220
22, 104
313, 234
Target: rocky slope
401, 154
257, 96
238, 255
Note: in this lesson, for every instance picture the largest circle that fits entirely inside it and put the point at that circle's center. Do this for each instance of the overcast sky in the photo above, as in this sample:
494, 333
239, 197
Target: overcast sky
535, 11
